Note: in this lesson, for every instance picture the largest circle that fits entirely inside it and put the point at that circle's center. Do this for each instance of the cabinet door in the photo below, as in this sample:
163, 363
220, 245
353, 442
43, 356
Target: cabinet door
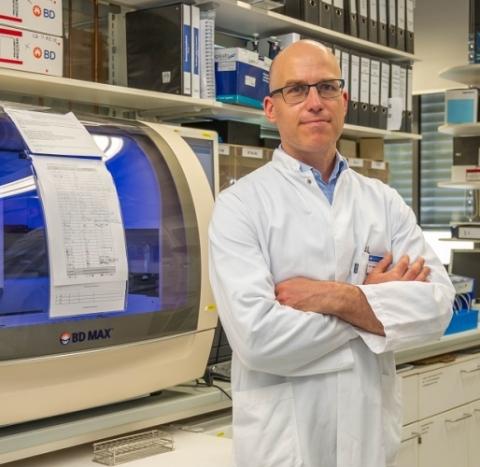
410, 398
474, 435
408, 452
444, 439
439, 390
469, 372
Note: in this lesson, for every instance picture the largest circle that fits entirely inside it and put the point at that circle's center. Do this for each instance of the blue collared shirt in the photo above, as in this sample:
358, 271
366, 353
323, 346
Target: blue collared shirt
327, 187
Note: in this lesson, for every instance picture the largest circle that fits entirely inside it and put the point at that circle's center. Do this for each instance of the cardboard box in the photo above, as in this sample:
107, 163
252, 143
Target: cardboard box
378, 170
359, 165
31, 51
347, 148
241, 77
41, 16
371, 148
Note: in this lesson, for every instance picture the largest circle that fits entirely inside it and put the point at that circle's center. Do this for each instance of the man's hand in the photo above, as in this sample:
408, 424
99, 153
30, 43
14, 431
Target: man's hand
402, 271
302, 293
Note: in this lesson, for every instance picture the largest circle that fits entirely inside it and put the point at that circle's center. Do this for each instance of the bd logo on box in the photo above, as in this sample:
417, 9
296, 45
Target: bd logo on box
46, 54
37, 11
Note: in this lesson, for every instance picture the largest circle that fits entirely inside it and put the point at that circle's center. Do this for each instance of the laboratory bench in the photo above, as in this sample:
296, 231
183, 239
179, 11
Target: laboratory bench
72, 435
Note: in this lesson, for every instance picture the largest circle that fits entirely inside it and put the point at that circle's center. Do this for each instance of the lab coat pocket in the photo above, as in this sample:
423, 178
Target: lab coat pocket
265, 428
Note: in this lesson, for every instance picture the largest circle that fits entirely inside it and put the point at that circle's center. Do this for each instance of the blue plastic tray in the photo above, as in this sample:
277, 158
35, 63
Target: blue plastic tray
463, 320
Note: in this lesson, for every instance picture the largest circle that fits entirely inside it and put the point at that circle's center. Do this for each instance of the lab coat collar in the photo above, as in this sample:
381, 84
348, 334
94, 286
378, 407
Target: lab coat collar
285, 160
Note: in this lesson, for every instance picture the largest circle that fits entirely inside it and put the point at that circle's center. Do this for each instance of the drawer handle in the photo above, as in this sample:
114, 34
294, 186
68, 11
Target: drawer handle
464, 417
414, 436
470, 371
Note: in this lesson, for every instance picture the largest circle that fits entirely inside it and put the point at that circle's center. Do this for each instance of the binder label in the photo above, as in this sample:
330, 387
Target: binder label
363, 7
392, 21
401, 14
410, 7
382, 11
353, 7
166, 77
250, 81
373, 10
187, 56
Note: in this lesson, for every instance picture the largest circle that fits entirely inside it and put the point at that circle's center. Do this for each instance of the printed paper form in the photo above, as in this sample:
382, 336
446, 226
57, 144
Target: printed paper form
54, 134
85, 235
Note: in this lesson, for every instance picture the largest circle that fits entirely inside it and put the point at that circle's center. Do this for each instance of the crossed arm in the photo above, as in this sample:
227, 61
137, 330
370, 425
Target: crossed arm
346, 301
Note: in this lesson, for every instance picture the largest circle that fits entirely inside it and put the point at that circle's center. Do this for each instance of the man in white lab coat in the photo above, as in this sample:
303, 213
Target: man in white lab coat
313, 372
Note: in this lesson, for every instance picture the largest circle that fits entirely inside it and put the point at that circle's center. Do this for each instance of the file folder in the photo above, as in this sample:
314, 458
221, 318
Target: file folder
364, 107
195, 12
401, 16
392, 24
409, 105
372, 21
338, 16
351, 18
325, 19
395, 93
363, 19
403, 94
474, 33
354, 101
409, 32
345, 69
375, 81
160, 32
384, 93
305, 10
382, 22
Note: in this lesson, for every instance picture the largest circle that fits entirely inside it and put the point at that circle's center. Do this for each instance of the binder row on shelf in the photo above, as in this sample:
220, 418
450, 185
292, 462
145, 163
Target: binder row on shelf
375, 88
163, 49
385, 22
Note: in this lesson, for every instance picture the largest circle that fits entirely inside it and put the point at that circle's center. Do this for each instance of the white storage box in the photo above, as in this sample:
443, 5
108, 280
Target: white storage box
40, 16
31, 51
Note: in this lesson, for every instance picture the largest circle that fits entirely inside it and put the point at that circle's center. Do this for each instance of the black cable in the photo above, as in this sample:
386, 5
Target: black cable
210, 383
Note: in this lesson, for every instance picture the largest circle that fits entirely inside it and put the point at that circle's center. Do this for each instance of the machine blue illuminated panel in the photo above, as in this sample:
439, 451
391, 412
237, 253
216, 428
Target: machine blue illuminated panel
162, 249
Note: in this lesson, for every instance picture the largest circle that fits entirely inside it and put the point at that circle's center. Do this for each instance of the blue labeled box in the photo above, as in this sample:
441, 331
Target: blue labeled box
241, 77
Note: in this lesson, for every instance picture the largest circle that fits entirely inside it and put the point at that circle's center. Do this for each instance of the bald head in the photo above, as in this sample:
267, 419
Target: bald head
304, 50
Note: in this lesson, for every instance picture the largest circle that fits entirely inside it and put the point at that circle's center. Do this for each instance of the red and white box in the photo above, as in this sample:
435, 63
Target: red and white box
31, 51
473, 174
35, 15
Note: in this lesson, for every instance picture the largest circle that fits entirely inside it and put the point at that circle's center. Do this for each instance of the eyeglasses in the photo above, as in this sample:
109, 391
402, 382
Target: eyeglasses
297, 93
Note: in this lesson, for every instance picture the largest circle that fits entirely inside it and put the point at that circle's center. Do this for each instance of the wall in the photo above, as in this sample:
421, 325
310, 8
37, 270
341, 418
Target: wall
441, 30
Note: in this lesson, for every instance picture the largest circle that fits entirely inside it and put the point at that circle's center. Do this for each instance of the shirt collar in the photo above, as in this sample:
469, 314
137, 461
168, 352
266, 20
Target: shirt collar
285, 159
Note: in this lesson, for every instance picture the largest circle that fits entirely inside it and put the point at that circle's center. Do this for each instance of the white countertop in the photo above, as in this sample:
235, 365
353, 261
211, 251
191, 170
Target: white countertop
191, 450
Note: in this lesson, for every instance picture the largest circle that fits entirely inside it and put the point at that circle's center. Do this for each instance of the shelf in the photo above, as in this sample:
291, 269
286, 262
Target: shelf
244, 20
153, 104
465, 74
460, 129
460, 185
75, 90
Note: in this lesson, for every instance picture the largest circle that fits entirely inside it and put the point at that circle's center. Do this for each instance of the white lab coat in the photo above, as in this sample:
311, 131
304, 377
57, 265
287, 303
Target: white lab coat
309, 389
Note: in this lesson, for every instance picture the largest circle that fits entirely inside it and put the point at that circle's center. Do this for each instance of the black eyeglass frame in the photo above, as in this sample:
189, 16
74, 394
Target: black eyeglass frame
341, 82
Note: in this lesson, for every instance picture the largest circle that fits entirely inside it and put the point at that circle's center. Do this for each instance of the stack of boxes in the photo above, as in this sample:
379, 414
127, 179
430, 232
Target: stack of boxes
31, 36
366, 157
236, 161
